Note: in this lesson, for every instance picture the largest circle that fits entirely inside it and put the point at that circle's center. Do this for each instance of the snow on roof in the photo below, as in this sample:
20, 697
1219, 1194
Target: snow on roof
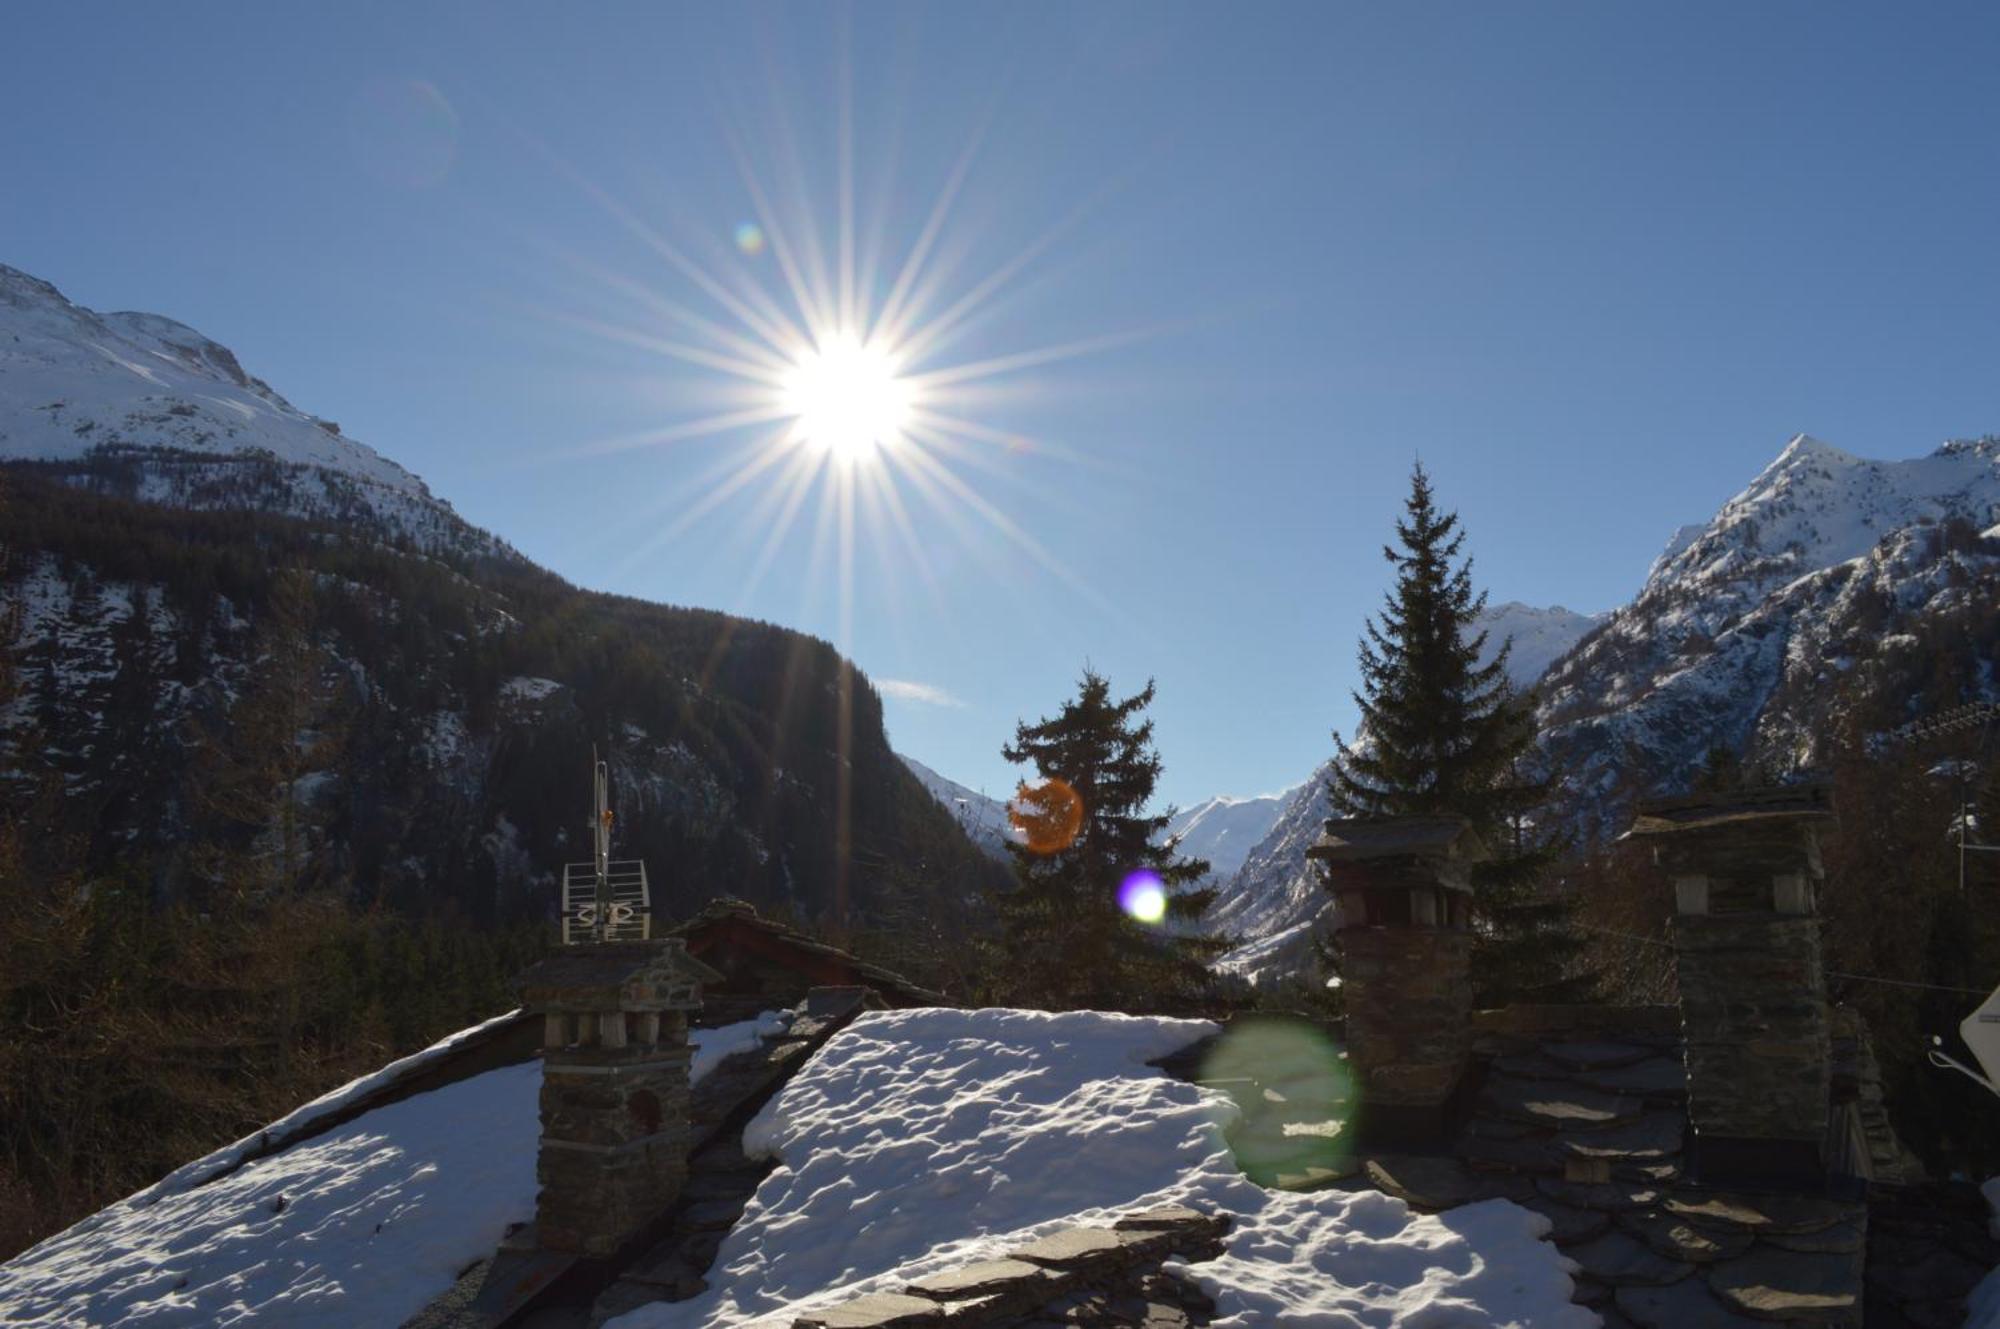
360, 1226
918, 1141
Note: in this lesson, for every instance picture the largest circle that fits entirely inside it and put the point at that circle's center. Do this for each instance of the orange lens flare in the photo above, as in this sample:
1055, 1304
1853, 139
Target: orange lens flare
1047, 815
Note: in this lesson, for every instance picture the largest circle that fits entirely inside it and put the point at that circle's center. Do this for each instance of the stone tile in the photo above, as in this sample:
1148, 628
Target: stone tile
1555, 1103
1166, 1216
1498, 1128
1678, 1239
1427, 1183
883, 1310
985, 1278
1775, 1284
1587, 1056
1530, 1152
1687, 1304
1072, 1247
1761, 1213
1848, 1235
1654, 1136
976, 1310
1622, 1260
1569, 1225
1529, 1066
1315, 1176
1654, 1078
1609, 1196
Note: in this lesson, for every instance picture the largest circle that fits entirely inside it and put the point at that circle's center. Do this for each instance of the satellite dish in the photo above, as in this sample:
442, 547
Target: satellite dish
1981, 1032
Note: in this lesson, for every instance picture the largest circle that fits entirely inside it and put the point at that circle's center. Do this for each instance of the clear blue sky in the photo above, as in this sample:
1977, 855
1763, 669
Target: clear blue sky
1593, 262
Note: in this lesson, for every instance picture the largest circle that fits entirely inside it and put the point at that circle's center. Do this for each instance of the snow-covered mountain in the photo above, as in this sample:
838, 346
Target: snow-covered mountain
983, 818
1223, 830
1832, 589
1830, 582
189, 427
1274, 900
181, 544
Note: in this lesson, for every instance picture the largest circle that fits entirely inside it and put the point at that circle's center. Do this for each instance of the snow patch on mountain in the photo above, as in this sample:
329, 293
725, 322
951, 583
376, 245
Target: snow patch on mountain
983, 818
1822, 581
145, 407
73, 380
1223, 830
1746, 634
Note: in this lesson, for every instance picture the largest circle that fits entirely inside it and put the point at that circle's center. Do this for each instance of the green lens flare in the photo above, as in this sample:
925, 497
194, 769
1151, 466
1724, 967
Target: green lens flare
1297, 1100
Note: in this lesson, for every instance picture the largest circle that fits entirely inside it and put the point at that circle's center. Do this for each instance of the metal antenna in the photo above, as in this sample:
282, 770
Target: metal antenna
603, 900
1978, 715
600, 822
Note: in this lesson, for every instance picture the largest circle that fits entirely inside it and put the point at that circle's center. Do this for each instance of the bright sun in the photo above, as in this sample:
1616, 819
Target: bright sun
846, 398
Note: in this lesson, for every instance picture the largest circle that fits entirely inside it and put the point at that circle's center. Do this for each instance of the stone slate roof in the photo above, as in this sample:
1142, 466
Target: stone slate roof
1580, 1114
726, 914
614, 975
1081, 1276
1665, 816
1364, 838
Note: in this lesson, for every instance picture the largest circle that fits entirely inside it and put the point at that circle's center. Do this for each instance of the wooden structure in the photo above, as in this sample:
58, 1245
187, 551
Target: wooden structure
762, 964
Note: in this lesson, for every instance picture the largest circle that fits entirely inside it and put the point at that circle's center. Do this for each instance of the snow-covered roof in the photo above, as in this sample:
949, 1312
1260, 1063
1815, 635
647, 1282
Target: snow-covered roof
919, 1141
360, 1225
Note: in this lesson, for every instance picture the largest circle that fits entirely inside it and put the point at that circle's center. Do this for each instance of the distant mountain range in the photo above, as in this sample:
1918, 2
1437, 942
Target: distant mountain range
1275, 899
171, 521
1832, 594
1833, 591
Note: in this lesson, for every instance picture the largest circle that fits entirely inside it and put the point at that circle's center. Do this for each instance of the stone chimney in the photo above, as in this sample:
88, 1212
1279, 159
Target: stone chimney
614, 1144
1404, 890
1746, 932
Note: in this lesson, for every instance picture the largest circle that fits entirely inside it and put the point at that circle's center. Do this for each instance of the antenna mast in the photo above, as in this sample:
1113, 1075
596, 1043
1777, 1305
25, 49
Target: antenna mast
605, 900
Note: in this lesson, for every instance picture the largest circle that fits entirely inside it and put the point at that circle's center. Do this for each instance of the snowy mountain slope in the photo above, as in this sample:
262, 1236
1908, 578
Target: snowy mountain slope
72, 380
158, 501
1223, 830
1274, 900
1787, 609
192, 428
1831, 588
983, 818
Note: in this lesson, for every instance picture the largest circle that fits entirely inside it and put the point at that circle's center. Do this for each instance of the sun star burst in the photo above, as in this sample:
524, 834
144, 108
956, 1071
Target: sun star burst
846, 398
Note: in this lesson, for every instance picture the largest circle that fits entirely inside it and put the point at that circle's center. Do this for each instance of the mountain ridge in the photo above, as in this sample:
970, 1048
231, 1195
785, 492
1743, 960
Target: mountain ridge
173, 522
1831, 590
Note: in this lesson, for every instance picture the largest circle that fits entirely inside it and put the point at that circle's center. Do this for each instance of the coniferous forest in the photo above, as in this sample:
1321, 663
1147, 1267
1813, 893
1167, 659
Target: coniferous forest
292, 813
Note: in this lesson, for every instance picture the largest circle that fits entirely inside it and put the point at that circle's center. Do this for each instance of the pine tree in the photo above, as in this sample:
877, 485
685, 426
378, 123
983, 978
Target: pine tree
1067, 941
1442, 733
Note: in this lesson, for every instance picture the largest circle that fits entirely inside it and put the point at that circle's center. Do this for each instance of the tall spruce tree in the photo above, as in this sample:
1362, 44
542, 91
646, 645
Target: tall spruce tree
1442, 733
1067, 941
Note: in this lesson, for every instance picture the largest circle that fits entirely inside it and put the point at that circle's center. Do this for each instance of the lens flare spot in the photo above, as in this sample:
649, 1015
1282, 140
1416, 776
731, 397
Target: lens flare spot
749, 239
1293, 1099
1047, 816
846, 398
1143, 896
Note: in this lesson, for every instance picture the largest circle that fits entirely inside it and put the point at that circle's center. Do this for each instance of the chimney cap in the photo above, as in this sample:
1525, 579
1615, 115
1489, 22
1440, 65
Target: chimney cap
1732, 807
1360, 839
617, 975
